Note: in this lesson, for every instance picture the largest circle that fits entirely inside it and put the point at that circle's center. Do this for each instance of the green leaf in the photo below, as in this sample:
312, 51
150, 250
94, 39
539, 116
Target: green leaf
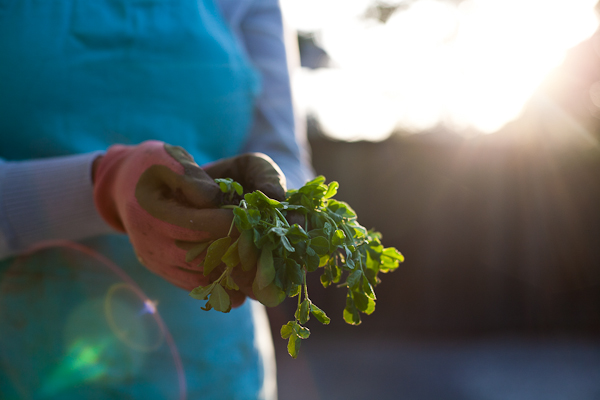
201, 293
353, 279
312, 261
214, 253
328, 229
388, 264
270, 296
286, 243
219, 299
195, 251
279, 230
299, 251
248, 252
358, 231
253, 216
332, 271
261, 240
375, 249
265, 272
231, 258
350, 263
230, 283
318, 180
294, 345
361, 301
259, 200
301, 331
324, 260
303, 313
238, 188
316, 232
294, 271
341, 209
374, 236
241, 219
295, 291
339, 237
351, 315
393, 253
390, 259
224, 187
348, 251
297, 234
287, 329
307, 202
368, 289
371, 307
320, 245
332, 189
336, 272
325, 280
319, 314
372, 277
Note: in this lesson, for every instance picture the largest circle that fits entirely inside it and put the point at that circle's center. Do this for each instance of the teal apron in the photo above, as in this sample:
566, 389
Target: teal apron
78, 76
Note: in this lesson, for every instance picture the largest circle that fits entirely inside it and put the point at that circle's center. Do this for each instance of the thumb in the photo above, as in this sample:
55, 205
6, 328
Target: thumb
159, 183
255, 171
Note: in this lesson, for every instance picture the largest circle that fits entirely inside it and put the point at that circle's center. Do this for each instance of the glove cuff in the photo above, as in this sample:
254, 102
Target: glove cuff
105, 184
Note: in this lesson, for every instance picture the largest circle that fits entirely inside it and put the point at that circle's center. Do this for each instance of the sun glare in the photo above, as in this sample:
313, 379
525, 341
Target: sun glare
471, 66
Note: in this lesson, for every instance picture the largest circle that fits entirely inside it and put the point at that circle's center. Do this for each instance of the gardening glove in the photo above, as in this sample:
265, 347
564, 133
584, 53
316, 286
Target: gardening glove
254, 171
156, 194
167, 204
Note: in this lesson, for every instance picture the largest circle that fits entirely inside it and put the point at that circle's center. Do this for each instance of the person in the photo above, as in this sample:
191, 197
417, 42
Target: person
116, 117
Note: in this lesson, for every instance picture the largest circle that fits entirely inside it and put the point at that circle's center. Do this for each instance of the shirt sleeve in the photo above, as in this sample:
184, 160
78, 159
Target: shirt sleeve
47, 199
277, 131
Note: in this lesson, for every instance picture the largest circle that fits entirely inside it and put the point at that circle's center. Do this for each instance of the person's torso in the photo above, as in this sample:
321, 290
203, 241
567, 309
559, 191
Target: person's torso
77, 76
80, 75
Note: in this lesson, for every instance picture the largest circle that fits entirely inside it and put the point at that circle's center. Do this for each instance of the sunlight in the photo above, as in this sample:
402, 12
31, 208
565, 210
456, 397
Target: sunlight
471, 66
505, 49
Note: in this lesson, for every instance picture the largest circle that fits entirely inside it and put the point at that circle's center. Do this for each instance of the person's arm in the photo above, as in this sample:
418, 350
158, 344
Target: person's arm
47, 199
258, 26
153, 192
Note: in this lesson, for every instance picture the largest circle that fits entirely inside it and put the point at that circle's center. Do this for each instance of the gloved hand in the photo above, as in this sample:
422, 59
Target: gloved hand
254, 171
158, 196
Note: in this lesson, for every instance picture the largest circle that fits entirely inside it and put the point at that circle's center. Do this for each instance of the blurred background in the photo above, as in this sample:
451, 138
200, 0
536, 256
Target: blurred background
467, 132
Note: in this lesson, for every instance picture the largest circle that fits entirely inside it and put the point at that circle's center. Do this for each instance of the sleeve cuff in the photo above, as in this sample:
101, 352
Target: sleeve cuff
45, 200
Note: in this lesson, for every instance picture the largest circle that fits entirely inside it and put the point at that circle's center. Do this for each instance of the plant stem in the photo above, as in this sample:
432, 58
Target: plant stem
227, 271
299, 303
231, 227
282, 218
305, 285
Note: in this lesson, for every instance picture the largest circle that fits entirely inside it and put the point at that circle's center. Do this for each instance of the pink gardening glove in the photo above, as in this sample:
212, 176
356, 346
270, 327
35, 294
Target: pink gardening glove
162, 199
145, 192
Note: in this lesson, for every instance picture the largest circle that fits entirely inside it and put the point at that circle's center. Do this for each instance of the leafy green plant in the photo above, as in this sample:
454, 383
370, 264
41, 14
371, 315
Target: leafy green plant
330, 239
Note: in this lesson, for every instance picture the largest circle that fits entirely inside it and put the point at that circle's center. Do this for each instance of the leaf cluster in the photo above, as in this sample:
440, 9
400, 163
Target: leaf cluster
330, 239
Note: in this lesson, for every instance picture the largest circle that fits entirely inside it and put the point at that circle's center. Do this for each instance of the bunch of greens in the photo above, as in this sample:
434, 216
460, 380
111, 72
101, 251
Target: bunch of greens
330, 238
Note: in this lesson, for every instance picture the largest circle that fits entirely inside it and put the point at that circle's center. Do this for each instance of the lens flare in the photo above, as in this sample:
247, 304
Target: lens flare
81, 364
80, 326
130, 328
